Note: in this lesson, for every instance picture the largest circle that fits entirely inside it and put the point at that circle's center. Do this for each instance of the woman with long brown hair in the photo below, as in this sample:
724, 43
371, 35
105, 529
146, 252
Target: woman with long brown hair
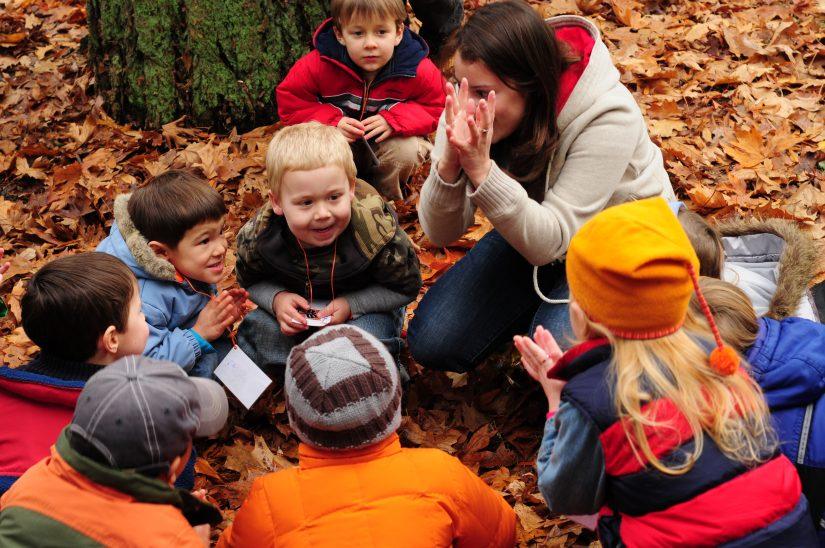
540, 136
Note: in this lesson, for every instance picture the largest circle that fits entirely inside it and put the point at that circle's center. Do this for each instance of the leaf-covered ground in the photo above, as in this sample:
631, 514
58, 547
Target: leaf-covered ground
731, 90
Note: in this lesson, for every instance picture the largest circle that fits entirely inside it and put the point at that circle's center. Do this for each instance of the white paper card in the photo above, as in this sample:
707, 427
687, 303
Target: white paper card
242, 377
319, 322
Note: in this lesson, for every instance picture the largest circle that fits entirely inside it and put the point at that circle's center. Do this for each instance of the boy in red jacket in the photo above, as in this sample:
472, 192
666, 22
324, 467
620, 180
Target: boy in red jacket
370, 77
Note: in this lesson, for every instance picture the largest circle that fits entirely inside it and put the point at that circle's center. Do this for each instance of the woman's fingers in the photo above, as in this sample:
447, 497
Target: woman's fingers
449, 105
491, 109
463, 93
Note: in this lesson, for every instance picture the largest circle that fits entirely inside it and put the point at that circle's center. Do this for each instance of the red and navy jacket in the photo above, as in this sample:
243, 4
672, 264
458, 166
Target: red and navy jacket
719, 501
34, 408
325, 85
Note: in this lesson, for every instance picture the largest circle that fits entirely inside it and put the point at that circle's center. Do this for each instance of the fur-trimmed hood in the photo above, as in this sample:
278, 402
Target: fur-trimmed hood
127, 244
797, 258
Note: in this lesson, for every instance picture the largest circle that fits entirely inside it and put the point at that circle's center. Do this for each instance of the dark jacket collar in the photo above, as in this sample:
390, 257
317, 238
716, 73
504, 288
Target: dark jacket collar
138, 486
404, 62
581, 357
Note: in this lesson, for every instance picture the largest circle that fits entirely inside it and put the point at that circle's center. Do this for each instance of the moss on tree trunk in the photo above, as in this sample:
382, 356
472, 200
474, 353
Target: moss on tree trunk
217, 61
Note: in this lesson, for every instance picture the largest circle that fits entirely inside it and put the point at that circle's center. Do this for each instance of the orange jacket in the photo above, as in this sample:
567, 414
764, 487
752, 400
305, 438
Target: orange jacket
380, 495
56, 501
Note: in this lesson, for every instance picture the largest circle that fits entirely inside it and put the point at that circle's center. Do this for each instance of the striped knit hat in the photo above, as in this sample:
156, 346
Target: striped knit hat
342, 389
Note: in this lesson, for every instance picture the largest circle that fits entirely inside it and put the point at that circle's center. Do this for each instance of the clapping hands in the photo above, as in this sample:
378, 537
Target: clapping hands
538, 356
469, 134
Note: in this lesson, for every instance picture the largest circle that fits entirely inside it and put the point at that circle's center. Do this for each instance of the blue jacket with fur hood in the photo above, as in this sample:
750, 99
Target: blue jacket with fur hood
171, 306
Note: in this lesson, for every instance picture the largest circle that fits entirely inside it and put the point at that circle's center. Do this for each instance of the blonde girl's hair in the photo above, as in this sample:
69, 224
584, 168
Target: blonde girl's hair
304, 147
732, 310
730, 409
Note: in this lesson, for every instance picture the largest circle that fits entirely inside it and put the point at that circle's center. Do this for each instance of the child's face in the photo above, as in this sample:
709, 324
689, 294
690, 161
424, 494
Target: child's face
370, 43
316, 204
201, 252
132, 340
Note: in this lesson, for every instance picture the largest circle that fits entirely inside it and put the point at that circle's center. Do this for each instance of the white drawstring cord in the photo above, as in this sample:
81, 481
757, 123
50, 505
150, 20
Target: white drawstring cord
541, 295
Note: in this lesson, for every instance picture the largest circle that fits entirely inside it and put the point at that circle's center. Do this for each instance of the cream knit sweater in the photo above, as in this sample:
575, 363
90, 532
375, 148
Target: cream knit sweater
604, 157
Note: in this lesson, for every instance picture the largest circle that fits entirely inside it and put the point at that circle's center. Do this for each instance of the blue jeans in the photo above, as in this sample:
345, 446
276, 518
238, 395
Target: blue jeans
260, 337
481, 302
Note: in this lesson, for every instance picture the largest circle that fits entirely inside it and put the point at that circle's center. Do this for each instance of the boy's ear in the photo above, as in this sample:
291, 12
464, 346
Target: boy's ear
338, 35
276, 207
399, 33
160, 249
109, 342
352, 190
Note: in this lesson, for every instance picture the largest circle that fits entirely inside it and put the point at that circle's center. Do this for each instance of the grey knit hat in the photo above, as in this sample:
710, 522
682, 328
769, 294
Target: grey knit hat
342, 389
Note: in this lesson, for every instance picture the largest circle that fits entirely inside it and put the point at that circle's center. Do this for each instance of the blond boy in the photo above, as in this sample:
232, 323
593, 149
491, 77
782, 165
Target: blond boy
325, 249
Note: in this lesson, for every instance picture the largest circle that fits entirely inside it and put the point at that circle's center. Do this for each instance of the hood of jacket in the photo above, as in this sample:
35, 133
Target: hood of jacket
127, 244
599, 77
404, 62
797, 262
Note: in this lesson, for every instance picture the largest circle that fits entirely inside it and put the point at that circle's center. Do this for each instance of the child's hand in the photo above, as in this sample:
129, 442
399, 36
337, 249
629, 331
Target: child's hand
218, 314
351, 128
339, 310
287, 308
5, 266
538, 357
240, 298
378, 127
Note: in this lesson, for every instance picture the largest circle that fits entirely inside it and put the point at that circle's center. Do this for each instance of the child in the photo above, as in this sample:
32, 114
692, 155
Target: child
322, 237
81, 323
673, 446
170, 233
771, 260
108, 479
369, 76
354, 484
787, 357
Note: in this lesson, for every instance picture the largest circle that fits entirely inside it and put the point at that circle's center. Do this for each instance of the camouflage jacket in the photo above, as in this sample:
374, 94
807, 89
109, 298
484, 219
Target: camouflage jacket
376, 267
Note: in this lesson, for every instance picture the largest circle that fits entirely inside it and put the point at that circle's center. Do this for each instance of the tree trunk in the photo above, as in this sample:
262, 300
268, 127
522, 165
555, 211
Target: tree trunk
217, 61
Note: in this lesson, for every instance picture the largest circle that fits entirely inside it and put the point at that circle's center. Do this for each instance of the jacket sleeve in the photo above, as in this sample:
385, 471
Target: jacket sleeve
396, 274
571, 463
298, 94
419, 113
592, 170
482, 517
253, 525
176, 345
793, 378
444, 209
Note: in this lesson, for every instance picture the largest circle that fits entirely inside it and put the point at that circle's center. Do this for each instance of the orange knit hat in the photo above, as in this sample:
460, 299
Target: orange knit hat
633, 269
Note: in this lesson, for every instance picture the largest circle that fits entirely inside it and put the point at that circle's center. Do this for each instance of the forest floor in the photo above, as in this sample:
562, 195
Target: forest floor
731, 91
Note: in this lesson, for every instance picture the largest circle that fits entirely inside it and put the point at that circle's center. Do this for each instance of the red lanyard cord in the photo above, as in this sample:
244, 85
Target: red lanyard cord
211, 298
331, 271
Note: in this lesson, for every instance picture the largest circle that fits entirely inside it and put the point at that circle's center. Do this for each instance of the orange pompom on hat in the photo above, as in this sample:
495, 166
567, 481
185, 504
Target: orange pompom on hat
632, 269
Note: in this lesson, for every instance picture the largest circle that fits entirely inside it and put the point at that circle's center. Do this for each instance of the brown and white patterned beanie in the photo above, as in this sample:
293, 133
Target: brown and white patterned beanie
342, 389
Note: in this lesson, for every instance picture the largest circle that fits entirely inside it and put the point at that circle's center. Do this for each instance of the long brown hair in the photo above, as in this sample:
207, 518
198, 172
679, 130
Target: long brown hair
513, 41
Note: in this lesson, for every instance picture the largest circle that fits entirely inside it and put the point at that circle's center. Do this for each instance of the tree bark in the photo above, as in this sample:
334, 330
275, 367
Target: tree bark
216, 61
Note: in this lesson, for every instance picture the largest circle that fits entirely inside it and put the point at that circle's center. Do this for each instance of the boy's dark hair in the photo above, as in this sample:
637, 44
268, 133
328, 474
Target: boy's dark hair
70, 302
172, 203
706, 242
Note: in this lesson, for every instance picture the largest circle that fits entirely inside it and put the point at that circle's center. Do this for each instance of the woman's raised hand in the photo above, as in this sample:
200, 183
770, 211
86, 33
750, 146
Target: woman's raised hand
471, 133
455, 108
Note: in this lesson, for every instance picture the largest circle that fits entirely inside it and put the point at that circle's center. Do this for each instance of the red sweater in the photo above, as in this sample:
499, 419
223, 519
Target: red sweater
34, 408
325, 85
